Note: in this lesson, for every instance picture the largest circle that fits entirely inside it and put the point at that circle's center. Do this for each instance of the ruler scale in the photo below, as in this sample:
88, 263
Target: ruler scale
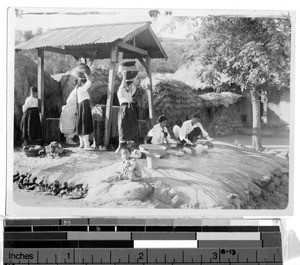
141, 241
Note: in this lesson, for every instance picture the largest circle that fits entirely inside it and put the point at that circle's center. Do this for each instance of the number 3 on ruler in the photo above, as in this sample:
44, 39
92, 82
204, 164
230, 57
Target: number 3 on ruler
215, 255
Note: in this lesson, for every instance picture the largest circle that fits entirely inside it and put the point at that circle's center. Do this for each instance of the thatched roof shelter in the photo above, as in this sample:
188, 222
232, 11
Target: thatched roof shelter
135, 40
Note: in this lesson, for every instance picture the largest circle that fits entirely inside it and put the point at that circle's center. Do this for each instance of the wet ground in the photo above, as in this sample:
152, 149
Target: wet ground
224, 177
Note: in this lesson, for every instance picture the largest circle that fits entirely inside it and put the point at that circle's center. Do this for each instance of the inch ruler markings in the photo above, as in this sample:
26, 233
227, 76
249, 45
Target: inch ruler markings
140, 241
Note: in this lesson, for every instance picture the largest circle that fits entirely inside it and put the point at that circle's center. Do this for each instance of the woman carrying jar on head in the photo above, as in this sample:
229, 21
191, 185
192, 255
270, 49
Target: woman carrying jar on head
84, 114
127, 117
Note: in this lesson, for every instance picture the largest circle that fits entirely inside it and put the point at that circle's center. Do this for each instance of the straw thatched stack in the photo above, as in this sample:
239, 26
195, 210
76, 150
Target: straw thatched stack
179, 102
215, 100
98, 90
26, 76
176, 100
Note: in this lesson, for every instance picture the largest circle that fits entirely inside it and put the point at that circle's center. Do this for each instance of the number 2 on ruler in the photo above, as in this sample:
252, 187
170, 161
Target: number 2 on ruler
141, 255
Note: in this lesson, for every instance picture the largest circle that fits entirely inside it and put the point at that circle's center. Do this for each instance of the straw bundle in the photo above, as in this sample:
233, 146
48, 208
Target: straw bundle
26, 76
99, 89
224, 99
176, 100
179, 102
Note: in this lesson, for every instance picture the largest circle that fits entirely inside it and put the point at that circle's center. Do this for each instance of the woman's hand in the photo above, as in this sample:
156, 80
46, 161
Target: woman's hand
88, 78
124, 73
188, 141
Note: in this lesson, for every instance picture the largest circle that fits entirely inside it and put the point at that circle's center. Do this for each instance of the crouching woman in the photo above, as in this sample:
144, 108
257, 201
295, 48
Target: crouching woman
159, 133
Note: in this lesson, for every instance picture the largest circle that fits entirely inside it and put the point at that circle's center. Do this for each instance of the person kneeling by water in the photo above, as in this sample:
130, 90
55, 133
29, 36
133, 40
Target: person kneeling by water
159, 133
129, 169
190, 131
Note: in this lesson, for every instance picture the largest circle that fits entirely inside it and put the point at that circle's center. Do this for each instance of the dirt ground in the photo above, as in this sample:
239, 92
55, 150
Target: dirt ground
225, 177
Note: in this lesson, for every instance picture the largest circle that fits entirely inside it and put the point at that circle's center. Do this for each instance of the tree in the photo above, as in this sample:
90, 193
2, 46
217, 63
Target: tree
175, 60
254, 53
28, 34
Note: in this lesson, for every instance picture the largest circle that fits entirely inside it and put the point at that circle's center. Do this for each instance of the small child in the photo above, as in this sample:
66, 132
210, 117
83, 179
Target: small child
31, 123
129, 168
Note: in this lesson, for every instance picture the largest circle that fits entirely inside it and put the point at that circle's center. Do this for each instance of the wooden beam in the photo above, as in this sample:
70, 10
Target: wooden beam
158, 43
132, 48
150, 91
58, 50
75, 53
136, 32
94, 55
40, 85
133, 41
110, 97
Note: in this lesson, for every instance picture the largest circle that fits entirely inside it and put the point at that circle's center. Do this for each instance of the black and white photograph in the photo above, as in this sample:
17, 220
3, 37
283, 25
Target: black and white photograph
147, 111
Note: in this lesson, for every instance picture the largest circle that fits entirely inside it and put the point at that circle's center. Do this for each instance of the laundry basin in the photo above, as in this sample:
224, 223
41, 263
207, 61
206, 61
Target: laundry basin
153, 152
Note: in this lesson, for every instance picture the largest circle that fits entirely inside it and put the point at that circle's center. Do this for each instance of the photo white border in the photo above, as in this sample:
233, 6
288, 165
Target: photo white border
15, 210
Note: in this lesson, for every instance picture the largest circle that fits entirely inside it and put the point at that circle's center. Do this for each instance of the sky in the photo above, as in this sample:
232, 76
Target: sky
49, 18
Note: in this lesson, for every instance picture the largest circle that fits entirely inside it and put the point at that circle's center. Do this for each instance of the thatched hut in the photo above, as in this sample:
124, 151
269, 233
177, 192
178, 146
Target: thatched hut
26, 76
176, 100
219, 112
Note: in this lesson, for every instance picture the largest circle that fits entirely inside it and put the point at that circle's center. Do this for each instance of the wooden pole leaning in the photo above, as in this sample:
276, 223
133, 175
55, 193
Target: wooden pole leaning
150, 91
41, 90
110, 95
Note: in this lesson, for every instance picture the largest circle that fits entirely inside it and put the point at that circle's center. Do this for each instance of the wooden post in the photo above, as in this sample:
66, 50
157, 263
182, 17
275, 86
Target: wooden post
40, 84
150, 91
110, 95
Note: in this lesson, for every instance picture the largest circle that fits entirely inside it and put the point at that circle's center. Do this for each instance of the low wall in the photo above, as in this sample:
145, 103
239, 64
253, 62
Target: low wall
222, 121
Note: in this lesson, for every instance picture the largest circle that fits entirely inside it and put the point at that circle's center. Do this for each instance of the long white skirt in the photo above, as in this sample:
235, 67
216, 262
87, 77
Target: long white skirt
67, 122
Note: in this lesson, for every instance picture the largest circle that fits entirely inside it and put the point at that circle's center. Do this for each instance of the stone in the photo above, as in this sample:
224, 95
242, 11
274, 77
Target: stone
254, 190
277, 181
120, 190
168, 195
235, 201
272, 187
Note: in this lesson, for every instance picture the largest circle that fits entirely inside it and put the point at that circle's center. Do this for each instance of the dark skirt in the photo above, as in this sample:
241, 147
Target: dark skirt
31, 125
194, 134
127, 123
85, 119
